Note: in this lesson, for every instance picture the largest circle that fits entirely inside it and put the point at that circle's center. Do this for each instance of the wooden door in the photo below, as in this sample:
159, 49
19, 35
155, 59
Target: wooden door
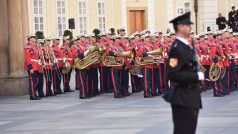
136, 19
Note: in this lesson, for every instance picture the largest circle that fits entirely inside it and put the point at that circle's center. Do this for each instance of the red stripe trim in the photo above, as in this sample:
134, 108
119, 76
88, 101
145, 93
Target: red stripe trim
160, 78
102, 78
153, 87
80, 75
54, 83
32, 87
145, 83
133, 82
113, 81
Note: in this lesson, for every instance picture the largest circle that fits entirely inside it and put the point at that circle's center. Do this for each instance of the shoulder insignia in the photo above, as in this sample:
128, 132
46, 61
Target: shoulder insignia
173, 62
27, 47
175, 45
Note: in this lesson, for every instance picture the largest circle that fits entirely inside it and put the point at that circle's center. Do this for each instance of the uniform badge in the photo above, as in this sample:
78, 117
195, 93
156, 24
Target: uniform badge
173, 62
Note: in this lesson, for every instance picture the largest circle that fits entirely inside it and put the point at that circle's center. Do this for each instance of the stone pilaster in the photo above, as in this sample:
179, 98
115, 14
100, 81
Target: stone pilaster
15, 80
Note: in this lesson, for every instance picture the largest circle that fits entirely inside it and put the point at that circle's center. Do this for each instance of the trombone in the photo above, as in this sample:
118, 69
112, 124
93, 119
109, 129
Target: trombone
48, 58
55, 63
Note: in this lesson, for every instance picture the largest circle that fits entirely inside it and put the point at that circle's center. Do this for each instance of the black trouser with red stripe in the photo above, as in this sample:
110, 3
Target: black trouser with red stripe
93, 81
216, 86
57, 81
125, 80
136, 83
77, 80
105, 79
48, 81
147, 74
40, 84
225, 81
164, 87
66, 81
32, 83
156, 77
116, 80
83, 83
207, 83
233, 81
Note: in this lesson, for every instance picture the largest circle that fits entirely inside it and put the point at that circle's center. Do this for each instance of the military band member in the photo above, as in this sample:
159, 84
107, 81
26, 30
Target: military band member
233, 65
75, 50
105, 75
83, 73
216, 51
147, 69
94, 71
48, 69
31, 65
57, 71
68, 63
40, 78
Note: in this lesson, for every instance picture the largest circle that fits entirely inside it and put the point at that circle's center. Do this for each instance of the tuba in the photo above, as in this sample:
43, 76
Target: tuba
135, 70
111, 61
66, 67
142, 61
215, 70
91, 56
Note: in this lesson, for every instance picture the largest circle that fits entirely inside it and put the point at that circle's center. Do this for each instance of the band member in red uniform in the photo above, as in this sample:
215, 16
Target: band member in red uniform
147, 69
31, 65
57, 71
48, 69
105, 86
74, 50
156, 44
233, 65
215, 51
68, 61
203, 52
83, 73
116, 71
226, 51
40, 78
94, 71
127, 64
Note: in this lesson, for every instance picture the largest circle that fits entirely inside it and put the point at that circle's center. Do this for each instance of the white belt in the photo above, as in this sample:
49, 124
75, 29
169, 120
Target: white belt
34, 60
59, 58
69, 58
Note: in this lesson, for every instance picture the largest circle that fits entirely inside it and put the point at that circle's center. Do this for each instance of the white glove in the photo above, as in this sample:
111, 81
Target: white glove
201, 76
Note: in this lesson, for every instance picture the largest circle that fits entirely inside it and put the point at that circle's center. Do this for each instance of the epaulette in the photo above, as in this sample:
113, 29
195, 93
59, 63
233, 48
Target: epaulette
74, 46
27, 47
175, 45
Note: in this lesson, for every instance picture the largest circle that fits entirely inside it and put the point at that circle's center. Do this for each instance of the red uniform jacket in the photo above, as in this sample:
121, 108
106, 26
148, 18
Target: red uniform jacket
58, 54
31, 57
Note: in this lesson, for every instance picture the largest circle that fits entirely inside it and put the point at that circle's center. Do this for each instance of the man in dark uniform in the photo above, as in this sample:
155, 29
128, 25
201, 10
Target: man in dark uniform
183, 71
231, 17
221, 22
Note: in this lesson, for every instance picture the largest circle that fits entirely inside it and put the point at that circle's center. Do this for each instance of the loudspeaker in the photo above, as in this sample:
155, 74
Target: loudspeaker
71, 23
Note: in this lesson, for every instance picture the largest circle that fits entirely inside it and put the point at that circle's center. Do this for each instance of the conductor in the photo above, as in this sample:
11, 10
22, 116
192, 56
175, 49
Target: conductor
184, 97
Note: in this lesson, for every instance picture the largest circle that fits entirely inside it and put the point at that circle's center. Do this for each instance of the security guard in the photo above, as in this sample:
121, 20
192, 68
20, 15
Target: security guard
185, 97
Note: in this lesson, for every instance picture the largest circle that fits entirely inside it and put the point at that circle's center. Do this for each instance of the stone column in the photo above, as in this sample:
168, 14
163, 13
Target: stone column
15, 83
15, 36
3, 39
151, 15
